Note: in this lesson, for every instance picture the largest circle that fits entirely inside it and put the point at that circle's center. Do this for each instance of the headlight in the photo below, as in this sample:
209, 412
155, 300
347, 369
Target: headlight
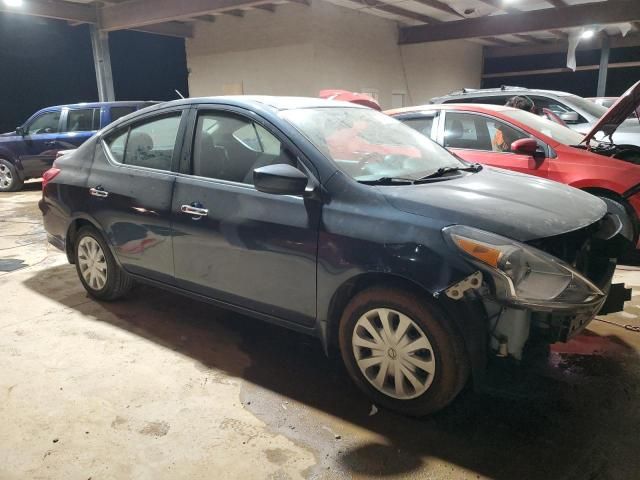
522, 274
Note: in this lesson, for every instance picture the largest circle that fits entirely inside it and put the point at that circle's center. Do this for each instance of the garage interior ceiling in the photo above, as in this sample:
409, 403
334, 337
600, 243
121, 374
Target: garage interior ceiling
489, 22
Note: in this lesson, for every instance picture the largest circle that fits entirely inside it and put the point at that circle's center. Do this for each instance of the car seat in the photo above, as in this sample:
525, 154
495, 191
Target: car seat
209, 160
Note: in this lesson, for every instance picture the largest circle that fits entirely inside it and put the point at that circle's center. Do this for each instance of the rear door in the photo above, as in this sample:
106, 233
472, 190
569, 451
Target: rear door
232, 242
130, 187
78, 125
40, 142
484, 139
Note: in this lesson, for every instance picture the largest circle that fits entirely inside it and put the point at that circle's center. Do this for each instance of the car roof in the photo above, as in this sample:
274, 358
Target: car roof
122, 103
262, 101
476, 107
478, 92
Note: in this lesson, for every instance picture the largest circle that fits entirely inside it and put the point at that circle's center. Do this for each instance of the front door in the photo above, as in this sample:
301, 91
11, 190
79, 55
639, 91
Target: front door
486, 140
129, 192
234, 243
40, 143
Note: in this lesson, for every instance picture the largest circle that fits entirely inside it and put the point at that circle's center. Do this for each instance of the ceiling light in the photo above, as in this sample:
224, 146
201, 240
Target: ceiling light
589, 33
507, 2
13, 3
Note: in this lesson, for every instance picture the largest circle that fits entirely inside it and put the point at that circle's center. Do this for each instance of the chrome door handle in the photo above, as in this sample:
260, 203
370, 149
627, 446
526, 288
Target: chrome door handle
200, 212
98, 192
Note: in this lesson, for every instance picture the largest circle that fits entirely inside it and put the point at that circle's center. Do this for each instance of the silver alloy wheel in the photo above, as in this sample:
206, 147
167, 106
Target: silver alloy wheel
393, 353
92, 263
6, 178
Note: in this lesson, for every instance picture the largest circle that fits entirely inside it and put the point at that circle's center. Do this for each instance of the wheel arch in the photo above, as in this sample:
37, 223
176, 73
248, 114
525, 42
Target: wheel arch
616, 197
72, 231
468, 318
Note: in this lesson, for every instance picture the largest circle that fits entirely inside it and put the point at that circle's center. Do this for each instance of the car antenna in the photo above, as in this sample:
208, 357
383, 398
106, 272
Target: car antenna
179, 94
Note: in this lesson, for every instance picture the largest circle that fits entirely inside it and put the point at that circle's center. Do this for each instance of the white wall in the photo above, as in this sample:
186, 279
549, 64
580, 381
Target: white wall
434, 69
300, 50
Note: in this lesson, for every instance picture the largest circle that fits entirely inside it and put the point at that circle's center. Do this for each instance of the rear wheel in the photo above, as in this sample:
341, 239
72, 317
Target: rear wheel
401, 351
9, 179
97, 269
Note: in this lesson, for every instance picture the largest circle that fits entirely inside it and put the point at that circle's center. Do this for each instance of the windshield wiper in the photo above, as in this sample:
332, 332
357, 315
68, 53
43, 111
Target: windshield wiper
389, 181
474, 167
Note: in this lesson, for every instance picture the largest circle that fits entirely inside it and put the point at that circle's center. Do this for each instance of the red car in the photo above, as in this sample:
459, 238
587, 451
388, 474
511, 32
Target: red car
517, 140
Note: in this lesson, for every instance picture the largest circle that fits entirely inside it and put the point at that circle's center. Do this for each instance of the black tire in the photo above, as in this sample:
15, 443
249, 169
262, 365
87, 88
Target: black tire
451, 363
117, 284
9, 179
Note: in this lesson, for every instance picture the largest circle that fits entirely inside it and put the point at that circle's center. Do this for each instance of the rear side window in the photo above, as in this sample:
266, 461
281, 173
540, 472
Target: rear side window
83, 120
148, 144
119, 112
116, 144
422, 125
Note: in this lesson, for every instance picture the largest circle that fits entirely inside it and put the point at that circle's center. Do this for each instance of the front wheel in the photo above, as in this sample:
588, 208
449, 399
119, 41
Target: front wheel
9, 179
98, 271
401, 351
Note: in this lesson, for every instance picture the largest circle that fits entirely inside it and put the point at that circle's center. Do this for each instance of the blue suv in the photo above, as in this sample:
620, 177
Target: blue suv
31, 149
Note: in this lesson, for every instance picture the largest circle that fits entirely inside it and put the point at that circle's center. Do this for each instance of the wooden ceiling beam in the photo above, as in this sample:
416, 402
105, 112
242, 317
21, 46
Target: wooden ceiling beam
71, 12
136, 13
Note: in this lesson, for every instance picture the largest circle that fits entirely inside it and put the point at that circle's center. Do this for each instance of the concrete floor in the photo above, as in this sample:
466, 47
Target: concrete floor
162, 387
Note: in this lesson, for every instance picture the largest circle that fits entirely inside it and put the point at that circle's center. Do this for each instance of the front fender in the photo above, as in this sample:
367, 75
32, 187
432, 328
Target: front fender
8, 154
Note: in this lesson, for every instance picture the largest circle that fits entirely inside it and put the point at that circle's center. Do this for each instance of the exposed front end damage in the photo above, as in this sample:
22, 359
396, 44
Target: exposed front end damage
544, 290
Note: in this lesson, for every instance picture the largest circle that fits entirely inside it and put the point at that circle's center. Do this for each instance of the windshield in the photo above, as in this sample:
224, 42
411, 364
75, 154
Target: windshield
587, 106
368, 145
551, 129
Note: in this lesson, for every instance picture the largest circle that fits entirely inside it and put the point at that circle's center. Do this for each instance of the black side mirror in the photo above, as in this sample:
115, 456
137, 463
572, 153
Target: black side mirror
280, 179
20, 131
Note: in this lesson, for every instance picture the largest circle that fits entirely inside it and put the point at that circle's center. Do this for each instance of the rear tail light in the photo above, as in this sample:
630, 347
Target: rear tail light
49, 175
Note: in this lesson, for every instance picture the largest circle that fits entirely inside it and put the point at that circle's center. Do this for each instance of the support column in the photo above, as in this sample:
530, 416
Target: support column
604, 65
102, 64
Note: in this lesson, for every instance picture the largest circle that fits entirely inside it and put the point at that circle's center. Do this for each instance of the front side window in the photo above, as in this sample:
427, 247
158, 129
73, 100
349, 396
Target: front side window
46, 123
551, 129
561, 108
477, 132
148, 144
229, 147
82, 120
368, 145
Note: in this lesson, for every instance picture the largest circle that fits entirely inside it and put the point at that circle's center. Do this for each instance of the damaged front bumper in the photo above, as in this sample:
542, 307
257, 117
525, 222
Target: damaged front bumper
590, 253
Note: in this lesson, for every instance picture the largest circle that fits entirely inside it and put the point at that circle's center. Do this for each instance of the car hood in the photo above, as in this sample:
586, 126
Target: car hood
8, 134
521, 207
618, 114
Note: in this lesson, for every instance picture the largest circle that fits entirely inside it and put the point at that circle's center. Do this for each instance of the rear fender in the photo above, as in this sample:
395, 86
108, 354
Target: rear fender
75, 224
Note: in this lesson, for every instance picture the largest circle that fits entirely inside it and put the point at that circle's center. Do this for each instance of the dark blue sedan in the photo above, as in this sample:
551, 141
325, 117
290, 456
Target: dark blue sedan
338, 221
30, 150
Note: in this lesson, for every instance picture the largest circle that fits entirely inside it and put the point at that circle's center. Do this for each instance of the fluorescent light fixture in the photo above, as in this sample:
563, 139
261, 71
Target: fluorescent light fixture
13, 3
589, 33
